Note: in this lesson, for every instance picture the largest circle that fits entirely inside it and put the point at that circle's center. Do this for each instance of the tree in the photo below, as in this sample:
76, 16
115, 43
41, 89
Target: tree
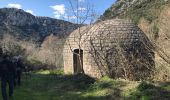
11, 47
82, 12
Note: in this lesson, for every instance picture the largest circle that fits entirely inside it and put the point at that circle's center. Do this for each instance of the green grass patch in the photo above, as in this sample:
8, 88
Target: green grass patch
43, 85
148, 91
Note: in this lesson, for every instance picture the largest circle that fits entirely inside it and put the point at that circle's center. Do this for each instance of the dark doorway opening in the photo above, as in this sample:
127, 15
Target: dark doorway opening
78, 61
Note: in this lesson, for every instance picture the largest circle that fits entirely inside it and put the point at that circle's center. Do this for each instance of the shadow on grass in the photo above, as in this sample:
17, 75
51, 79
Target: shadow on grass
148, 91
66, 87
82, 87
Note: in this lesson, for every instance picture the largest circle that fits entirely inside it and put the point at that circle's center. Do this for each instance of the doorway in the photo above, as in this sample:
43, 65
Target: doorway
78, 61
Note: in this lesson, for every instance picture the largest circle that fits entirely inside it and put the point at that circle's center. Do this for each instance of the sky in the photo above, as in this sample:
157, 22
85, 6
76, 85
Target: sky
61, 9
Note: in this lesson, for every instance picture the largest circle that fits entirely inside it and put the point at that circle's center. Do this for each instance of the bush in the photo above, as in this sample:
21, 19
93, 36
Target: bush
34, 64
56, 72
155, 31
144, 85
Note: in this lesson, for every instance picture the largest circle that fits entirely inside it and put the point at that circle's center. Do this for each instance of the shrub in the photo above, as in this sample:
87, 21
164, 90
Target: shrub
34, 64
155, 31
144, 85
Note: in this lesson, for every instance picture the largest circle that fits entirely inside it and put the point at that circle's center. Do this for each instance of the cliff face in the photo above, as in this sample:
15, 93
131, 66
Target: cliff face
26, 26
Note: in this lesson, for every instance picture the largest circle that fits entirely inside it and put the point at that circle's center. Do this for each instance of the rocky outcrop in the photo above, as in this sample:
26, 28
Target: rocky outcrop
26, 26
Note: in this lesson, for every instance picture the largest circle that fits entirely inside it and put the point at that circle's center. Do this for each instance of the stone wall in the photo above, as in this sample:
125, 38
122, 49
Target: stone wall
106, 46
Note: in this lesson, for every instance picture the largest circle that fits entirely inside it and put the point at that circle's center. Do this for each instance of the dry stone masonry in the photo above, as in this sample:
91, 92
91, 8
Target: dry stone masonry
116, 47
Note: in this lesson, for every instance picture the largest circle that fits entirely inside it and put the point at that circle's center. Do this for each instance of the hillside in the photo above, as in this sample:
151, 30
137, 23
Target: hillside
26, 26
153, 17
136, 9
152, 13
39, 39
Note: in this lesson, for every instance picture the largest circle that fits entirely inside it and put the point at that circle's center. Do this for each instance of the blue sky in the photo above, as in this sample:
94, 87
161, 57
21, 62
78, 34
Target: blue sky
60, 9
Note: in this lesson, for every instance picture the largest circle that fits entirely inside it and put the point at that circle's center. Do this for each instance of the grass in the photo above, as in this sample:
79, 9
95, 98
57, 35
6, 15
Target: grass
54, 85
147, 91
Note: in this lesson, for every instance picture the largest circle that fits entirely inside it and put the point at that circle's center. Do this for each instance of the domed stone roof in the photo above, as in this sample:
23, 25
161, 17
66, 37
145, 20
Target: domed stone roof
107, 45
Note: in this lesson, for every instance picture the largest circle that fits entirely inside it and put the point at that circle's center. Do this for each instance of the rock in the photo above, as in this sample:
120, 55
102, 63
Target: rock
27, 26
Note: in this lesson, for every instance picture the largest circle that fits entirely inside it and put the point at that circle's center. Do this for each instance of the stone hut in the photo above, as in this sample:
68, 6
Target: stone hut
116, 47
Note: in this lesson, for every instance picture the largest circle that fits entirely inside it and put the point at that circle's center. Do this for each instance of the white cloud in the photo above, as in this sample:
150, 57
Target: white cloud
59, 10
30, 11
57, 16
12, 5
18, 6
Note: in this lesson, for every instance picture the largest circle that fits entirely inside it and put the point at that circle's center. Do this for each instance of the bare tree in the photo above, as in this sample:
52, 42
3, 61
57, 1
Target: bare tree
118, 54
11, 46
106, 51
83, 13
